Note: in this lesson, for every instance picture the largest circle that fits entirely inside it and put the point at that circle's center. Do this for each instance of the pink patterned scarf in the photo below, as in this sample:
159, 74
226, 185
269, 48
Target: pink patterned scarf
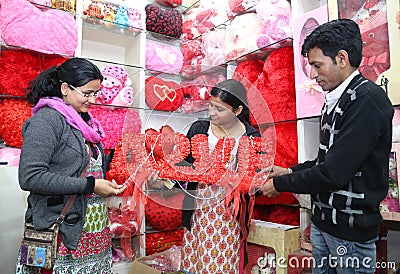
91, 131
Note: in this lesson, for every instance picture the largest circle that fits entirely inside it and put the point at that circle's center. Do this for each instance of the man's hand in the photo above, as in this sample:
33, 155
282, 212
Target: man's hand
268, 189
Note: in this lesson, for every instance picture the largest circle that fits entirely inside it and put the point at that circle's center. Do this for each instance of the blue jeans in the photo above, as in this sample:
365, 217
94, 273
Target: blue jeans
334, 255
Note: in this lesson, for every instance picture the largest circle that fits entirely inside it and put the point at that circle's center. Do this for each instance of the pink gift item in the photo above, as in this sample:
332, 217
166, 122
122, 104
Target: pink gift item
162, 57
48, 31
116, 91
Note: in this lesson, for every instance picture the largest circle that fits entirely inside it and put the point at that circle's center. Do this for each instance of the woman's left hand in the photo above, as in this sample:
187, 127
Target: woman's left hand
106, 188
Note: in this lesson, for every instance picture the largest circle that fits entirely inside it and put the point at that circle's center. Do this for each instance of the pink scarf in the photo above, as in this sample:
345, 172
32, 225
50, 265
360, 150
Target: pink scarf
91, 131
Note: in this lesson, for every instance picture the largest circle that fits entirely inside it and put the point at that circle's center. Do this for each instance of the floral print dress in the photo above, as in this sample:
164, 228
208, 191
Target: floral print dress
93, 253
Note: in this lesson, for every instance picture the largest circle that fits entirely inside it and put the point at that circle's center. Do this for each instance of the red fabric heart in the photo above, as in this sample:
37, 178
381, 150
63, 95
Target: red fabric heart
163, 95
154, 140
163, 210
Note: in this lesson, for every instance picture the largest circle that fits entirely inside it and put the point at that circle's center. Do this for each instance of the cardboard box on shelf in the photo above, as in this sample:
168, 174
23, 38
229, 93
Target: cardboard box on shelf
284, 239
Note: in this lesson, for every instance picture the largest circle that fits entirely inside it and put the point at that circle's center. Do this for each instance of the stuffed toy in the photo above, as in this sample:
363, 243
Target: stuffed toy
212, 13
247, 72
212, 47
238, 6
197, 91
163, 57
276, 88
68, 5
275, 17
241, 35
14, 112
163, 95
136, 21
52, 31
209, 14
94, 13
192, 57
116, 92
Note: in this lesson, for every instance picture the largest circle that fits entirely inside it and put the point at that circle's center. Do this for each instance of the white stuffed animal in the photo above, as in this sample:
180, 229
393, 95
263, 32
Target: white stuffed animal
241, 35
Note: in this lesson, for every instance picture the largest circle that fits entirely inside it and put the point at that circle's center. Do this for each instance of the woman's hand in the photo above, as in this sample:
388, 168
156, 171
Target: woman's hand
105, 188
155, 182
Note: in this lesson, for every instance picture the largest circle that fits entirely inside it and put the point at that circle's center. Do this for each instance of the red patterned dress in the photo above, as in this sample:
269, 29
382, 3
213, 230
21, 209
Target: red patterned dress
213, 243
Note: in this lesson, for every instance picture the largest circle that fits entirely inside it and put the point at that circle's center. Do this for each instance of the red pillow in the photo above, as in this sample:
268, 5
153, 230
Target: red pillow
163, 95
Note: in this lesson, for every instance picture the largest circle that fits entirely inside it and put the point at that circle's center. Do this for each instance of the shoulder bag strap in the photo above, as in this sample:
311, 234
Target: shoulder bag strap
70, 201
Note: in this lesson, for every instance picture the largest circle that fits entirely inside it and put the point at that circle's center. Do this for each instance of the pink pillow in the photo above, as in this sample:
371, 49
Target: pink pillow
163, 57
49, 31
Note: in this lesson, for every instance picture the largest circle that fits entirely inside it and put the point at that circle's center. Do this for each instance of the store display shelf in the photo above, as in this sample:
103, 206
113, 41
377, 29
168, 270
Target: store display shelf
44, 7
4, 46
261, 53
177, 113
105, 25
391, 216
182, 8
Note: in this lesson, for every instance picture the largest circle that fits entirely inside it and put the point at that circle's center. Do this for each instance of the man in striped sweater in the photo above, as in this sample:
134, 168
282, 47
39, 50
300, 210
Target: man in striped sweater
349, 178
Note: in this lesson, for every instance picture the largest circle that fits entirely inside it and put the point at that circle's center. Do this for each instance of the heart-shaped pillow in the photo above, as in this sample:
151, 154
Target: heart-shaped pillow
164, 211
49, 31
163, 95
154, 141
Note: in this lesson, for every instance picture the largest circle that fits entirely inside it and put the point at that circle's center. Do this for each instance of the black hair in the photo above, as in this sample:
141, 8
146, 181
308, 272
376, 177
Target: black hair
233, 93
330, 37
75, 71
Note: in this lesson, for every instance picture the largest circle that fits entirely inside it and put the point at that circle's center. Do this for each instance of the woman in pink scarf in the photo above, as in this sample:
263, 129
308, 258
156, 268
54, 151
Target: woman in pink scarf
61, 156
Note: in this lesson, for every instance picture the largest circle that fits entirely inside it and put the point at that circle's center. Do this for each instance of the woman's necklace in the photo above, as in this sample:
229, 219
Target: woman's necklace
236, 131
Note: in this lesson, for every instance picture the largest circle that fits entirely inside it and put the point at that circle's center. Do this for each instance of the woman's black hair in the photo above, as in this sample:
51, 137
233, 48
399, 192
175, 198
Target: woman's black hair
233, 93
75, 71
342, 34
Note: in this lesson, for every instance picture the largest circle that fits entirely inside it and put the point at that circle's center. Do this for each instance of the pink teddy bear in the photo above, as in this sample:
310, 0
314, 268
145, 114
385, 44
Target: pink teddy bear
115, 87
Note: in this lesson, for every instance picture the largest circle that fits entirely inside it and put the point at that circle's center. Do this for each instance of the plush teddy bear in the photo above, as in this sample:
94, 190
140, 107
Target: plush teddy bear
116, 92
275, 16
241, 35
192, 57
212, 47
238, 6
197, 92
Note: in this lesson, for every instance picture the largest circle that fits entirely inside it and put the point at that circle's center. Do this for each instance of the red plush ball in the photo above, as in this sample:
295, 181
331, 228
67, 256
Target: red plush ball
163, 95
14, 112
164, 210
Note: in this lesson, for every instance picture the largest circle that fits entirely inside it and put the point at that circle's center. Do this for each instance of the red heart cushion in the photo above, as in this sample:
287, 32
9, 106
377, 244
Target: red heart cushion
163, 95
164, 211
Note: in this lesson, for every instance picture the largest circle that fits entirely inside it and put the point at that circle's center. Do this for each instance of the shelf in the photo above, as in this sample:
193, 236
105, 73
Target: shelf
44, 7
183, 8
108, 26
262, 53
